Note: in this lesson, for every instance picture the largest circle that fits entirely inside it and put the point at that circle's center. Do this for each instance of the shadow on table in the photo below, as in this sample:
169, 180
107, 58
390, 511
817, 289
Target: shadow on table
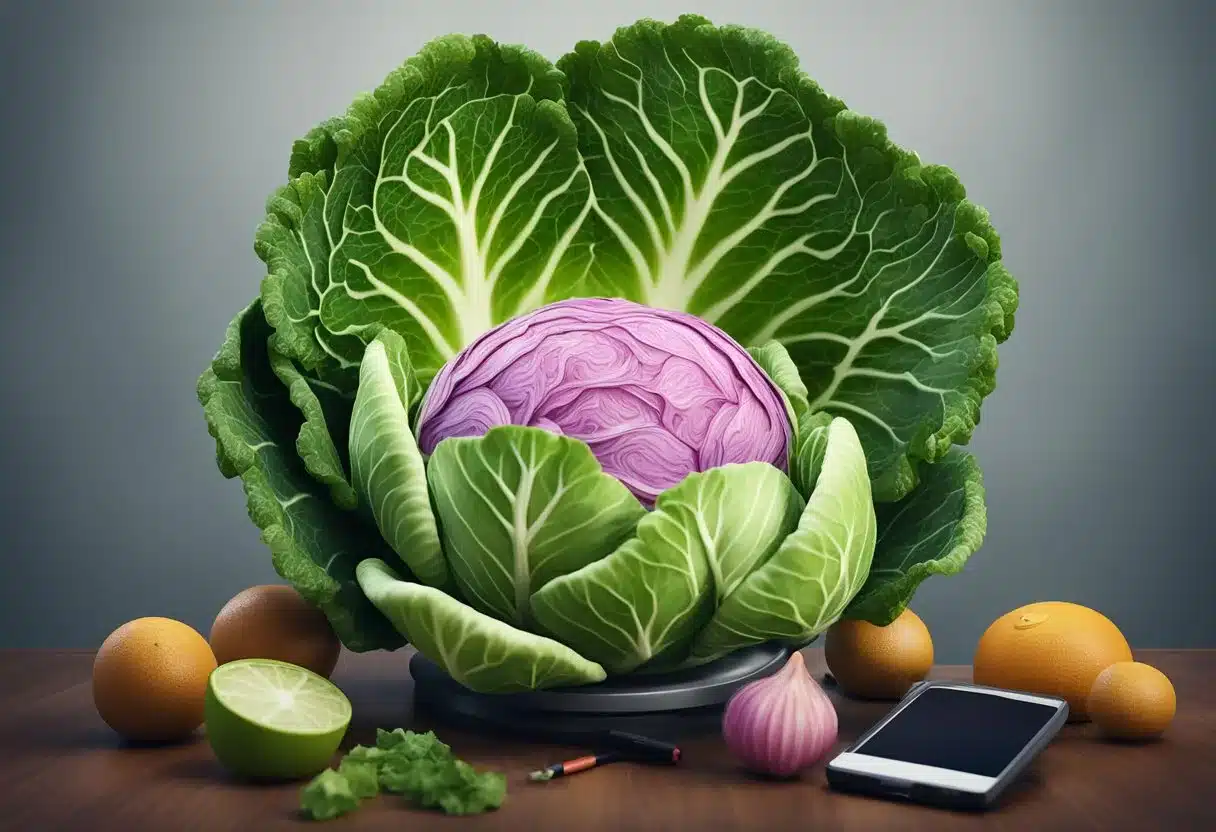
92, 736
1025, 789
277, 797
729, 774
206, 769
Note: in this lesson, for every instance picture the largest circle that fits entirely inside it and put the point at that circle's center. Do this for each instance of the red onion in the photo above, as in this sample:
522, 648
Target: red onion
781, 724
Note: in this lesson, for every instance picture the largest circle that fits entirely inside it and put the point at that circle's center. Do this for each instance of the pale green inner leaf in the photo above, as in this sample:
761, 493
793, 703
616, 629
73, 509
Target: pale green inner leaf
386, 464
804, 587
647, 599
480, 652
521, 506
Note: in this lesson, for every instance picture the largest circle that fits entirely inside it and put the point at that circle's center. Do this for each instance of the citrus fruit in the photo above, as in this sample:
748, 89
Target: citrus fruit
875, 662
268, 719
150, 679
1132, 701
1053, 648
274, 622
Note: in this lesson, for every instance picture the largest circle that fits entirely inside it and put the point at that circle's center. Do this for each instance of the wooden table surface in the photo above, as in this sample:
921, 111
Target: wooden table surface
61, 768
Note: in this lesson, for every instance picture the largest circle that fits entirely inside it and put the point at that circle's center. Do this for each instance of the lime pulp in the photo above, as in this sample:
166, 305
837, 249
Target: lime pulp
270, 719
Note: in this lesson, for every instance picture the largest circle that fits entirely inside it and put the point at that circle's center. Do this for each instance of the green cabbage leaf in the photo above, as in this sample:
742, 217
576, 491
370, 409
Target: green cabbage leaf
683, 166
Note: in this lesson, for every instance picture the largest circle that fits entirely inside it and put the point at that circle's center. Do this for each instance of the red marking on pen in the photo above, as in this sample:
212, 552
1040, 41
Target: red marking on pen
574, 766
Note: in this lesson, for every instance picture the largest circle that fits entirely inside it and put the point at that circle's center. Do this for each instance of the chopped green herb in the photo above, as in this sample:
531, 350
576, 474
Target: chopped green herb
395, 774
363, 776
413, 746
457, 788
419, 767
372, 754
328, 796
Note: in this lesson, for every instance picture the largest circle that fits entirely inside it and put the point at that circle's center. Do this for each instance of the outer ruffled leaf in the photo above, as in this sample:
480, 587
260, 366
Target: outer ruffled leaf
438, 205
323, 435
730, 185
314, 545
932, 531
482, 653
715, 177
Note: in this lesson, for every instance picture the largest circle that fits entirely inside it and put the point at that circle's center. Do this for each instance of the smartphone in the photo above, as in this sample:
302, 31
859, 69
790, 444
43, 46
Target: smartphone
947, 744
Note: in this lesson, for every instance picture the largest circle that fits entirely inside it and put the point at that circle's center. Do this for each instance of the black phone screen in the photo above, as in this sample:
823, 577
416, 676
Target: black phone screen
959, 730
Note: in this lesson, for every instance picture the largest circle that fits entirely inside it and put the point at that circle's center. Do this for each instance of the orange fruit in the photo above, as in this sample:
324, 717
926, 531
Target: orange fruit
1053, 648
1132, 701
274, 622
873, 662
150, 679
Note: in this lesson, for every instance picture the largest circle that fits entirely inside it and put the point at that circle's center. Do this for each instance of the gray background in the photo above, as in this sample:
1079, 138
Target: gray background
139, 141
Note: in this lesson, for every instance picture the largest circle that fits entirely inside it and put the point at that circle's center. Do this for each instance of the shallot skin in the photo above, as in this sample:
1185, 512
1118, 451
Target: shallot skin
780, 725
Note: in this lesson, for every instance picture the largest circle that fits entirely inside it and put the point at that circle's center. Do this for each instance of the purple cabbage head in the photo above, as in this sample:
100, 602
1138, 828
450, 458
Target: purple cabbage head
656, 394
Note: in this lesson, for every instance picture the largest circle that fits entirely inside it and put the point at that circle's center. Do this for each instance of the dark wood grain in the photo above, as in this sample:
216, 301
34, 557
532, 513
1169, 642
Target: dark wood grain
61, 768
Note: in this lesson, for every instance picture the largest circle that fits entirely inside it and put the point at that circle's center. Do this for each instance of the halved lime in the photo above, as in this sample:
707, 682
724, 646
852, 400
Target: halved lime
270, 719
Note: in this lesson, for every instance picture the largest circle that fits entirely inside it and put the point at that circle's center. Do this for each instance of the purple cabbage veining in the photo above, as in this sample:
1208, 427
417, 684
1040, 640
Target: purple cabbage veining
656, 394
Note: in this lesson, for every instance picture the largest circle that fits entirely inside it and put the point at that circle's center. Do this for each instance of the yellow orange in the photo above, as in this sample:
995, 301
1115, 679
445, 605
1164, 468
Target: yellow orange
150, 679
1132, 701
274, 622
874, 662
1054, 648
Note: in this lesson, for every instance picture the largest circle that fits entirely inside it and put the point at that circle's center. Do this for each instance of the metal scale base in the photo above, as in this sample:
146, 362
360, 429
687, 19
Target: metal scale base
665, 706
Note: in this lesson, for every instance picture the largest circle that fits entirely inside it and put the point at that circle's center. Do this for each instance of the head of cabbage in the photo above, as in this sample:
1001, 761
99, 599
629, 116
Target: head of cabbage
616, 365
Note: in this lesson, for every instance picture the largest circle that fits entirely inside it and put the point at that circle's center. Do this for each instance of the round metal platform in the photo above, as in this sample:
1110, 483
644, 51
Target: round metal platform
661, 705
